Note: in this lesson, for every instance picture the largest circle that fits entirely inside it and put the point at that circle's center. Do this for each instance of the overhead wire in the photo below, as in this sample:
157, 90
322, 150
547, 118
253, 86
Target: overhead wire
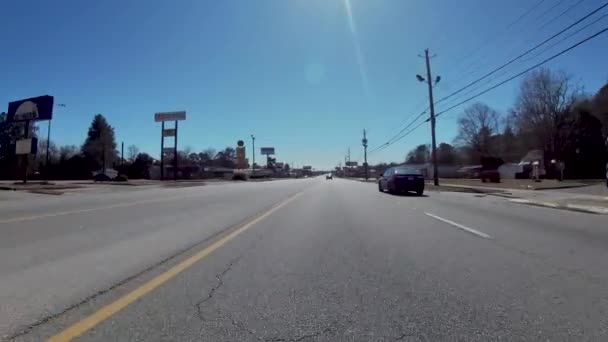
566, 37
492, 38
397, 136
400, 135
561, 14
513, 60
476, 65
384, 146
534, 56
524, 71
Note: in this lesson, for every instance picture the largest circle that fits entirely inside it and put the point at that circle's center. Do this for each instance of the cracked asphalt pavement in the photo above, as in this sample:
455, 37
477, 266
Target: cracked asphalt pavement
339, 262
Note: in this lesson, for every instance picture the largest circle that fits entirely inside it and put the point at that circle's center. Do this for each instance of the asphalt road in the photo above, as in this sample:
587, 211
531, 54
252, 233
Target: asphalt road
305, 260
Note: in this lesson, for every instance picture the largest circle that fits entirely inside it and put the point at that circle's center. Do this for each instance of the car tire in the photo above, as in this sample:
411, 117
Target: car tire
380, 187
419, 192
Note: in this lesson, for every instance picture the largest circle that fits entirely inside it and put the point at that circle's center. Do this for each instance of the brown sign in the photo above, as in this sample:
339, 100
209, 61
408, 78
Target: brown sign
169, 132
170, 116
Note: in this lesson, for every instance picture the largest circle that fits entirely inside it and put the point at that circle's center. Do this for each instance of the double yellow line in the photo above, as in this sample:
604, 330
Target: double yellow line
109, 310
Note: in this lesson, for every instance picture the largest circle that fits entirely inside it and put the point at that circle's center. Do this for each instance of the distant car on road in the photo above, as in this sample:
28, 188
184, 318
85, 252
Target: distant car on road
401, 179
329, 176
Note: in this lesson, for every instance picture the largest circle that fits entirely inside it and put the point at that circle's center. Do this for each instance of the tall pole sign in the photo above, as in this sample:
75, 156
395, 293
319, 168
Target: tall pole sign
26, 110
169, 132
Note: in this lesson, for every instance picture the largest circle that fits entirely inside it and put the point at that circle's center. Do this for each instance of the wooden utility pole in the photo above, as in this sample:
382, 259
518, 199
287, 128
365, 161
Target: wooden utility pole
365, 154
429, 81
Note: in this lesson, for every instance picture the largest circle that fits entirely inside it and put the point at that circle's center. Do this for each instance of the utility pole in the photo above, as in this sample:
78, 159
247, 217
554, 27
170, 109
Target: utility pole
48, 147
253, 154
365, 154
429, 81
346, 166
48, 143
348, 162
122, 153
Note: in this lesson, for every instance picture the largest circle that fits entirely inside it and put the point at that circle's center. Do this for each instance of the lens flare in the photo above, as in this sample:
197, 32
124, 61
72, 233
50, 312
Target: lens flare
358, 52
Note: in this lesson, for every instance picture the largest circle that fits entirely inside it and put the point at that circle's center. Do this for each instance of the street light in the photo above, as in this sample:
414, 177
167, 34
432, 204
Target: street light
48, 141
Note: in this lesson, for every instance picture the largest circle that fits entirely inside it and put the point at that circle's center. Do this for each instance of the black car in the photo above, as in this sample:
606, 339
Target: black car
400, 179
329, 176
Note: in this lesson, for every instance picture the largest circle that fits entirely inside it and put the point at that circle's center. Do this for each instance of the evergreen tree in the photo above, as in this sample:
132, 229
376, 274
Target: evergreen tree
100, 146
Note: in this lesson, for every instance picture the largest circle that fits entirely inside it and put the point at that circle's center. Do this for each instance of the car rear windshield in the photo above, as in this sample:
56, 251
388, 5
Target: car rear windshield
407, 171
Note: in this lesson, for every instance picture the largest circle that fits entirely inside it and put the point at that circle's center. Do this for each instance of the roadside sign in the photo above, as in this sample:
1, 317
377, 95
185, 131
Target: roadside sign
307, 167
267, 150
26, 146
352, 163
170, 116
241, 157
169, 150
169, 132
35, 108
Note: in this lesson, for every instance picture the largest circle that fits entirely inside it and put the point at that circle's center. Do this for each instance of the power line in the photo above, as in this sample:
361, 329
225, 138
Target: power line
557, 3
561, 14
407, 126
567, 37
401, 137
493, 37
523, 54
534, 56
526, 71
396, 136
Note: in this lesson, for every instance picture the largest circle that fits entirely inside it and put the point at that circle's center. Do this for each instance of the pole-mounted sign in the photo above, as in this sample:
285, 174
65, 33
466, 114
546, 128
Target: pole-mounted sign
170, 116
169, 132
267, 150
32, 109
26, 110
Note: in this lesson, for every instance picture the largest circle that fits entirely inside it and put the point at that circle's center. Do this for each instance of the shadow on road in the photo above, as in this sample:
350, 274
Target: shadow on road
405, 194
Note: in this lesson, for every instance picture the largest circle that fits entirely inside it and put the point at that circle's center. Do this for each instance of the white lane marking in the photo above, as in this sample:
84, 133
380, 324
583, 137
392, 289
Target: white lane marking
458, 225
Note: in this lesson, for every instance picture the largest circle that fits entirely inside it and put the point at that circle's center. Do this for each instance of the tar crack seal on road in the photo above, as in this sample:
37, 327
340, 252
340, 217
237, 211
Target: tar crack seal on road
220, 282
212, 294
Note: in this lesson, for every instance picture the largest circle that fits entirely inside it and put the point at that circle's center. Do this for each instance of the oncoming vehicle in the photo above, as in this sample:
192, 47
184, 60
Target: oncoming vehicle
329, 176
401, 179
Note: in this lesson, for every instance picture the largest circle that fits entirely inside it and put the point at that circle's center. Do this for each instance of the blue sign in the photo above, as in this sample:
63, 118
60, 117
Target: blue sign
35, 108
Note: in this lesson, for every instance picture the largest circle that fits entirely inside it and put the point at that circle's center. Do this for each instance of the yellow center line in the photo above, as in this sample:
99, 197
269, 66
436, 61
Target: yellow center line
109, 310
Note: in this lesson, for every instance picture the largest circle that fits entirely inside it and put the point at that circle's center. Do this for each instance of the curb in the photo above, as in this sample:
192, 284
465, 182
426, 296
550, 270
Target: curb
571, 207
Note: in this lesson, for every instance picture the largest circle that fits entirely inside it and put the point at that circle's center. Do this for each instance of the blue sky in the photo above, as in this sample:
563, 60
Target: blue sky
299, 74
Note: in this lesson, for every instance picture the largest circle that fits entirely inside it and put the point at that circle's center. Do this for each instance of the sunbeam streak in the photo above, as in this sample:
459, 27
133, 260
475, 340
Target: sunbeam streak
358, 52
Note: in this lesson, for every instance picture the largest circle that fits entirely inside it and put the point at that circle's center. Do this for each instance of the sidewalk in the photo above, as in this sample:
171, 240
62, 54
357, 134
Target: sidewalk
594, 202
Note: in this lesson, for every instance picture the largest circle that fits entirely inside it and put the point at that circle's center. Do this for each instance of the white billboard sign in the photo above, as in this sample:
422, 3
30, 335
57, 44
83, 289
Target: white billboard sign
23, 146
170, 116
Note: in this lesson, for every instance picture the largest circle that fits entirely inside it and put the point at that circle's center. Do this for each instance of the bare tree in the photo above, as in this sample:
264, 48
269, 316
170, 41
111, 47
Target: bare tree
41, 155
132, 152
187, 150
68, 151
207, 156
546, 100
476, 126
